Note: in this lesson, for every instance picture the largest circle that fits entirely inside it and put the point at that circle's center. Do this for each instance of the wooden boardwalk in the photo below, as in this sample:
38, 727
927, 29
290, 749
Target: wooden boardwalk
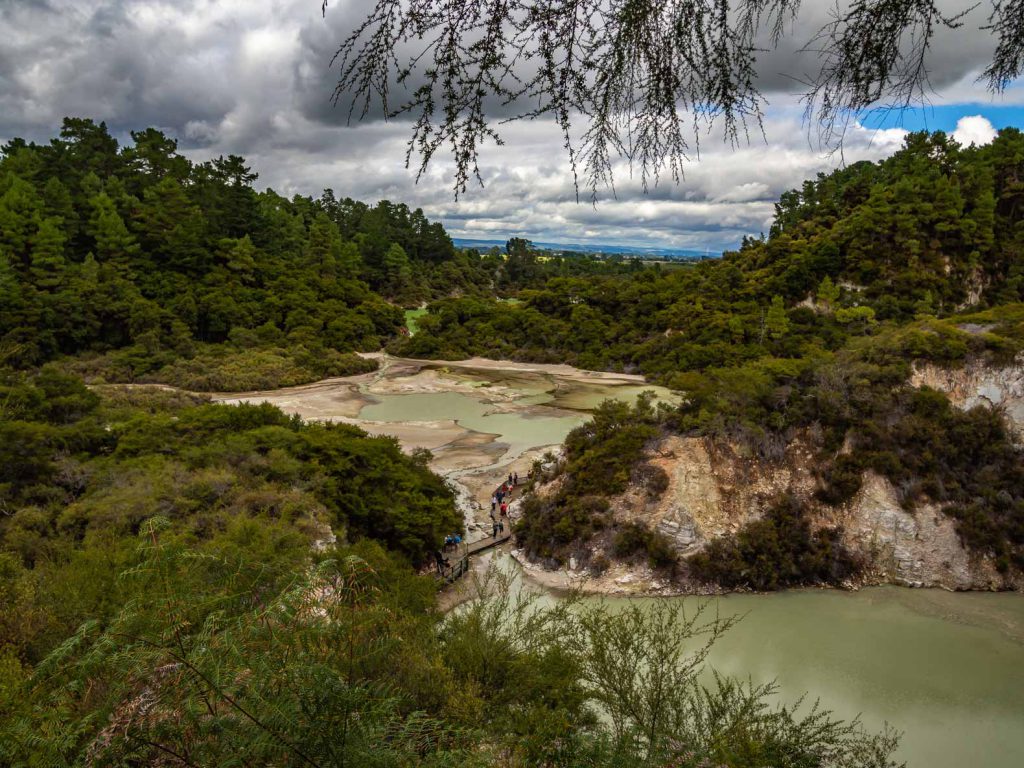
490, 542
460, 567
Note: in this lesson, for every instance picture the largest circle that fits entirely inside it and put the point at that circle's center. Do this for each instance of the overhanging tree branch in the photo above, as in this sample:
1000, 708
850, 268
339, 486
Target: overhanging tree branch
635, 80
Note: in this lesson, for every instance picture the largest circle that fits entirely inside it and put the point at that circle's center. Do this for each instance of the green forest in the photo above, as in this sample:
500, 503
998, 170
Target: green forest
147, 267
186, 583
133, 264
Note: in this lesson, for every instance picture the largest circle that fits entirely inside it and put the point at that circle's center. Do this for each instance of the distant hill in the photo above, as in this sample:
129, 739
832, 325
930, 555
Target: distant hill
604, 249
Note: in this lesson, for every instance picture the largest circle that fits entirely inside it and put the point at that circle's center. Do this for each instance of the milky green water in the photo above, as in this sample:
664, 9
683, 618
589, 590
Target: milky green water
946, 670
519, 431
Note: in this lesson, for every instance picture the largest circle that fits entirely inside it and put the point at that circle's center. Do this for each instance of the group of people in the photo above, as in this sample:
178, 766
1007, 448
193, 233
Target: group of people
500, 501
451, 541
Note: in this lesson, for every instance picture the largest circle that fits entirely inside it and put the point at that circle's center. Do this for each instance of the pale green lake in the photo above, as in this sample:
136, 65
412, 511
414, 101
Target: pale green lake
944, 669
519, 431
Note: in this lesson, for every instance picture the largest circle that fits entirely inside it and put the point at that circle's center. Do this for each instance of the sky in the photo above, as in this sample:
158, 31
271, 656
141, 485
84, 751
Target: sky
254, 77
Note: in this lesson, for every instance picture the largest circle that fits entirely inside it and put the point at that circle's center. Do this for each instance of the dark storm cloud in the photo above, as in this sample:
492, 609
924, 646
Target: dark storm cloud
786, 67
254, 78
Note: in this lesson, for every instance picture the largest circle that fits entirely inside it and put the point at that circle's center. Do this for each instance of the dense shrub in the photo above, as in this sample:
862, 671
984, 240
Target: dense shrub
600, 458
778, 551
635, 539
122, 460
258, 369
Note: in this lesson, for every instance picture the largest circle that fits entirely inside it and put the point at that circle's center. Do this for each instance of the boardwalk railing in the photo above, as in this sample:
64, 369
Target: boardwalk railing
458, 568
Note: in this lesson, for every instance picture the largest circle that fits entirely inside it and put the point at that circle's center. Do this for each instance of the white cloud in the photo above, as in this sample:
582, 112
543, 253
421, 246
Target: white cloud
974, 129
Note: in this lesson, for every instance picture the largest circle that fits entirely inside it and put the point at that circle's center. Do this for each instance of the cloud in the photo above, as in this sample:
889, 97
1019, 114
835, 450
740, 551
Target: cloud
974, 129
254, 78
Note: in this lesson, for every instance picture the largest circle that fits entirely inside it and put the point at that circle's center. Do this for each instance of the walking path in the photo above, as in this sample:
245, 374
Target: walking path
466, 550
459, 568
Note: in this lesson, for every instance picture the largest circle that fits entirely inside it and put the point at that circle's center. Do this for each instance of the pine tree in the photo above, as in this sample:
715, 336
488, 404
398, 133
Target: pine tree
57, 202
10, 287
323, 246
777, 321
925, 307
396, 267
350, 264
90, 271
736, 329
241, 257
171, 228
91, 185
114, 243
151, 158
828, 293
20, 217
48, 254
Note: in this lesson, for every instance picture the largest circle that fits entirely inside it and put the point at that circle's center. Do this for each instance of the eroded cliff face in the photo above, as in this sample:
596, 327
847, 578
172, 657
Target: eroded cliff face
714, 491
979, 384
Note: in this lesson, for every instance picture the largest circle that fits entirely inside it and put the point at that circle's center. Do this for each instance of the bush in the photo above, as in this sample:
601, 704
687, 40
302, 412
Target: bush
247, 370
651, 477
635, 539
601, 457
842, 480
776, 552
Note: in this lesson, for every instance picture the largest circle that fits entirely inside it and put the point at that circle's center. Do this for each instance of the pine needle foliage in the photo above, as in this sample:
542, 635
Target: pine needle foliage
217, 659
638, 80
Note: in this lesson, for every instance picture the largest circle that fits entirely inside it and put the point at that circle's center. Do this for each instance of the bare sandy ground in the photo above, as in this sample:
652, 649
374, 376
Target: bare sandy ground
505, 386
486, 364
330, 399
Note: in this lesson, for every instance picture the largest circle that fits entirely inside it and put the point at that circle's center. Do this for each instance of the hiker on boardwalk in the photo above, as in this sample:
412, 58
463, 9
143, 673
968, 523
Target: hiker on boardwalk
442, 562
515, 480
494, 528
504, 509
494, 503
510, 479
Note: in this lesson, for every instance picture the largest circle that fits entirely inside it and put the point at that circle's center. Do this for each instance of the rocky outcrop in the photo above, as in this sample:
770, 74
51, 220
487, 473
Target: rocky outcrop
977, 383
714, 490
915, 549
